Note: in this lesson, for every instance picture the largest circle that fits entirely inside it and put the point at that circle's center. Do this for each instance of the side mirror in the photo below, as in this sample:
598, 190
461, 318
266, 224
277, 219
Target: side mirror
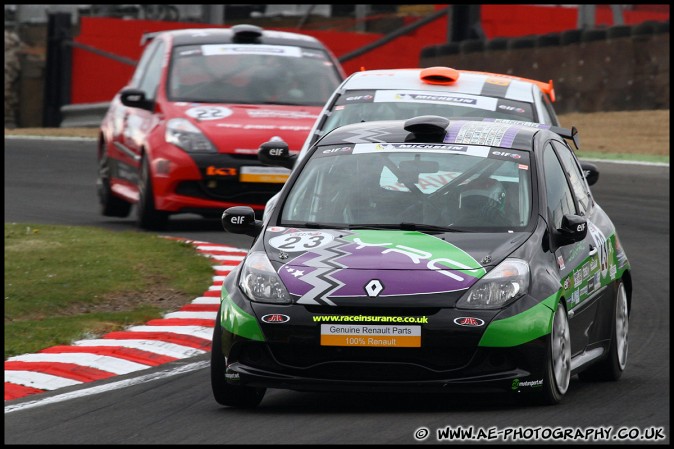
574, 229
241, 220
135, 98
276, 152
590, 171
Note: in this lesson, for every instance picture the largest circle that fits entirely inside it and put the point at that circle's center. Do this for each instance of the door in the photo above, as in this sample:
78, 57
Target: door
577, 263
138, 122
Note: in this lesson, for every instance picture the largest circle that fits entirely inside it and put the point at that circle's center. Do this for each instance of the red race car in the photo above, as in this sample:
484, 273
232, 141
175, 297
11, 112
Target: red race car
183, 135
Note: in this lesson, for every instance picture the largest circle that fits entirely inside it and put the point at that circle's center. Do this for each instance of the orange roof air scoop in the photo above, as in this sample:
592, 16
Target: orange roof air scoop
439, 75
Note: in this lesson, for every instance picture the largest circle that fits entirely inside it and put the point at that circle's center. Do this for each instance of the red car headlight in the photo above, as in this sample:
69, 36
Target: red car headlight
183, 134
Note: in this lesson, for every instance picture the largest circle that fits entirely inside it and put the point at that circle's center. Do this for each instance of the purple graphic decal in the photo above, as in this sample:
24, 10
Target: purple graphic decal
345, 268
453, 131
509, 137
398, 282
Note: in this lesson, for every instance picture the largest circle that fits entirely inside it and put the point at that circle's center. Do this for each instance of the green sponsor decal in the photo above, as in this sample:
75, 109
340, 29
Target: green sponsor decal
523, 327
237, 321
420, 248
517, 384
594, 272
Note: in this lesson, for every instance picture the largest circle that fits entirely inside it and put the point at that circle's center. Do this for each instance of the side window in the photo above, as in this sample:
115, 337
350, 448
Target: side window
142, 64
560, 200
549, 111
576, 178
150, 79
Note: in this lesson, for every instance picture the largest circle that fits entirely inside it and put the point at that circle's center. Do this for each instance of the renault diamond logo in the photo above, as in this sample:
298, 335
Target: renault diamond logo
373, 288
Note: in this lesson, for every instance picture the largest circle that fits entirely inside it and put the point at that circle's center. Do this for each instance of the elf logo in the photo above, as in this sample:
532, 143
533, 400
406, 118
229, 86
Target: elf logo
468, 321
275, 318
504, 154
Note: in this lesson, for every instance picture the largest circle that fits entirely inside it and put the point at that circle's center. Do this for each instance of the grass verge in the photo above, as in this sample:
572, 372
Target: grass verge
64, 283
623, 157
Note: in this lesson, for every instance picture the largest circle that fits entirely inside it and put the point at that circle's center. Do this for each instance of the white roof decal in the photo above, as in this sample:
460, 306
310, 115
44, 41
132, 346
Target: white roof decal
519, 90
468, 83
238, 49
481, 134
362, 148
417, 96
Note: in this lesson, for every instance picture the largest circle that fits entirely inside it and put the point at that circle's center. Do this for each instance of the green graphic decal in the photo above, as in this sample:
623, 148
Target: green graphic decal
421, 248
523, 327
237, 321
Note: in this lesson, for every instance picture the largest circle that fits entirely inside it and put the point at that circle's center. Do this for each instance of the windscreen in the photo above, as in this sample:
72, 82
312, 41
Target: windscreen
371, 105
254, 74
449, 186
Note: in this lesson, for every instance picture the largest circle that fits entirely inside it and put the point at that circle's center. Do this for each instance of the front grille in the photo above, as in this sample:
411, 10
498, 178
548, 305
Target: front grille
396, 365
399, 364
233, 191
431, 356
375, 309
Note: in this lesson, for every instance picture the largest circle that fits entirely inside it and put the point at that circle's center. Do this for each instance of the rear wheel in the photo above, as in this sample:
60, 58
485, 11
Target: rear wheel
558, 360
111, 206
148, 216
223, 392
611, 368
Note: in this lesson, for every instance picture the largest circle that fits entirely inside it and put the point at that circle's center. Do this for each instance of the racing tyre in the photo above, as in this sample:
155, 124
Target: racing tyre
224, 393
557, 361
148, 217
612, 367
111, 206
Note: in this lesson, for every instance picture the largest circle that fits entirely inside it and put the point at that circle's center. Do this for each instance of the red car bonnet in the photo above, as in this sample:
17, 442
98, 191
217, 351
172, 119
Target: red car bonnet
240, 129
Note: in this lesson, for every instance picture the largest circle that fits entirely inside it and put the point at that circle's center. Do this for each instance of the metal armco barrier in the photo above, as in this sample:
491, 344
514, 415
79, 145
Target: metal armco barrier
85, 115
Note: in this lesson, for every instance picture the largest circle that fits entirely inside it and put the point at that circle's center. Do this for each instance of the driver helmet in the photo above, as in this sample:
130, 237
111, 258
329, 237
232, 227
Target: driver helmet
479, 191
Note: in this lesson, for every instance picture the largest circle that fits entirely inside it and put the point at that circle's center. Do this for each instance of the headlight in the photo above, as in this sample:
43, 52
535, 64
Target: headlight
183, 134
260, 282
507, 281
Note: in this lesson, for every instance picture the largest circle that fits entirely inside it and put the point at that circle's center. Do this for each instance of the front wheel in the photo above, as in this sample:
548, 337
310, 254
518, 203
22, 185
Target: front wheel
611, 368
558, 360
148, 216
223, 392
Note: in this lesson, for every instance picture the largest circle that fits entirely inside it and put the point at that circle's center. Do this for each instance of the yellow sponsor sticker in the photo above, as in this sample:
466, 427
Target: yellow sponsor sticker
273, 175
387, 336
498, 81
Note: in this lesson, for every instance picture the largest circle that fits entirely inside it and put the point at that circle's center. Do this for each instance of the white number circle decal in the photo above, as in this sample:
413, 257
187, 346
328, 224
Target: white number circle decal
301, 241
209, 112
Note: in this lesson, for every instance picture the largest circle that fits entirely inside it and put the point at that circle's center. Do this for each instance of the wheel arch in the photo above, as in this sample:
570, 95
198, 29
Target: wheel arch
101, 145
627, 279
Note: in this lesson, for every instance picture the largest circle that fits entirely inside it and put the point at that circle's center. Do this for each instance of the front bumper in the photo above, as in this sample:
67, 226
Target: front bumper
289, 354
212, 182
381, 377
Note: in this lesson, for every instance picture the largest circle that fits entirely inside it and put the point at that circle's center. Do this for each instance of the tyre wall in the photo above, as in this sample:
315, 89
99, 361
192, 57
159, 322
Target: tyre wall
614, 69
12, 46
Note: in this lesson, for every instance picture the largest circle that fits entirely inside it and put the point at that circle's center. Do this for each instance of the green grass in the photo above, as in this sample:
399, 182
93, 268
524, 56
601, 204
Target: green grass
64, 283
622, 157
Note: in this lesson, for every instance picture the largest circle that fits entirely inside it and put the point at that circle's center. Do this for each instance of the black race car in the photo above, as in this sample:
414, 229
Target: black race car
429, 255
